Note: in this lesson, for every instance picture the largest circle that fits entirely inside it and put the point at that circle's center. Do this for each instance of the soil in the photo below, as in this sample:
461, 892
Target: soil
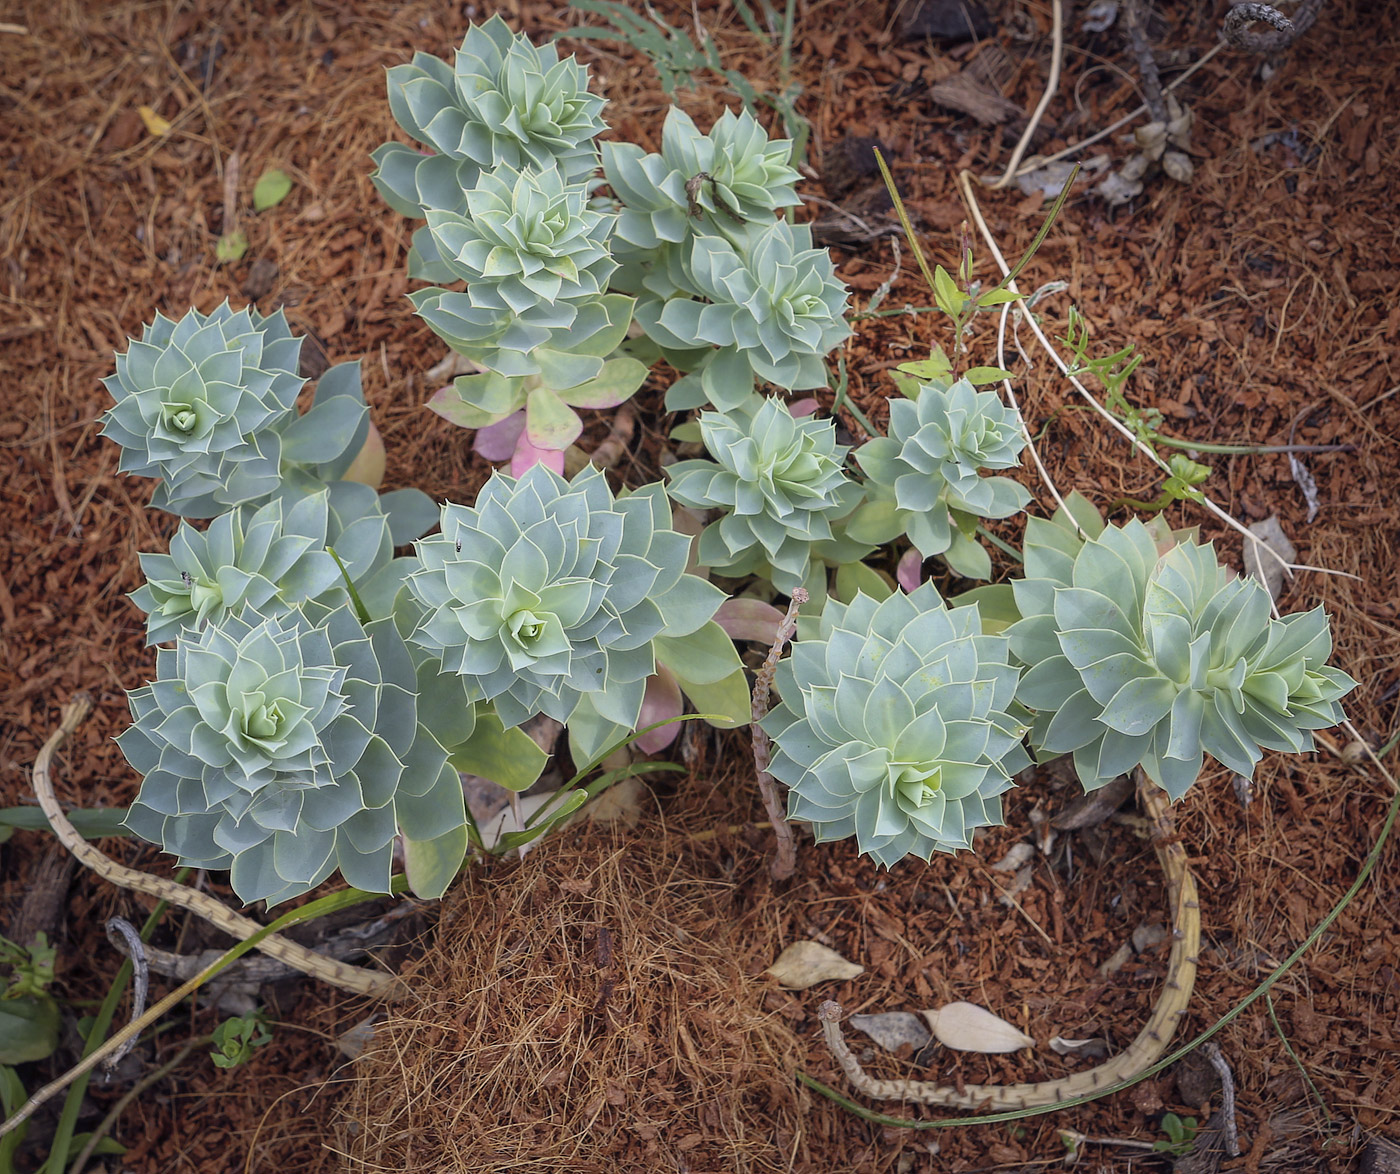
1260, 296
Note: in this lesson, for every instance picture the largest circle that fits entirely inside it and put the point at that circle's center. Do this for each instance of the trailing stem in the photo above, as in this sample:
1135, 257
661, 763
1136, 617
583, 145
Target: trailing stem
349, 978
1150, 1043
785, 862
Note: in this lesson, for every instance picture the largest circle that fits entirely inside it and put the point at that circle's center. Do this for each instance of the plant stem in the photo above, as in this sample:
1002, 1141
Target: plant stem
1005, 547
1248, 450
97, 1035
843, 401
109, 1122
1368, 866
785, 863
892, 313
1292, 1055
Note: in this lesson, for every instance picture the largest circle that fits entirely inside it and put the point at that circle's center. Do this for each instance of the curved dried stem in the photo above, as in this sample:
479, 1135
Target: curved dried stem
1261, 547
1239, 21
1052, 84
1142, 1053
785, 862
354, 979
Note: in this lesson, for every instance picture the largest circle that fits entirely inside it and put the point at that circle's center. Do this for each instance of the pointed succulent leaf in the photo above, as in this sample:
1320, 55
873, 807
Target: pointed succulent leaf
505, 101
242, 558
930, 464
770, 299
547, 590
536, 259
201, 404
780, 483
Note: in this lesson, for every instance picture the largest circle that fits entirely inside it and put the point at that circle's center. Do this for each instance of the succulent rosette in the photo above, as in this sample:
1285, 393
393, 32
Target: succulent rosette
505, 101
924, 479
1143, 658
727, 177
896, 726
781, 484
212, 572
535, 417
285, 746
208, 405
200, 403
550, 596
771, 303
536, 262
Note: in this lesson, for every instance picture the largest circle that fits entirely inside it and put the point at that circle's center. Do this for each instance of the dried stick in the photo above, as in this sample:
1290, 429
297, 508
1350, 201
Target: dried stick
1284, 32
785, 862
1057, 53
1035, 163
1227, 1098
354, 979
123, 1039
1147, 63
965, 181
1150, 1043
108, 1123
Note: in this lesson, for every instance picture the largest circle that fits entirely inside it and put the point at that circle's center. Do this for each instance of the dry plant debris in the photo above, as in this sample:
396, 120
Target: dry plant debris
581, 1011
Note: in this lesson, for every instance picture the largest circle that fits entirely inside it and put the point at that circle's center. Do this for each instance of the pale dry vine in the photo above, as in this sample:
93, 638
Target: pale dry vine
354, 979
1150, 1043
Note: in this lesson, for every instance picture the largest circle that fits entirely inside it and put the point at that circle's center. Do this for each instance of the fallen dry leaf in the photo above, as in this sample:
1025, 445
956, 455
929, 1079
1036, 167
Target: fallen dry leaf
966, 1027
1019, 854
1090, 1048
354, 1040
891, 1029
804, 964
1262, 565
1117, 960
155, 124
620, 803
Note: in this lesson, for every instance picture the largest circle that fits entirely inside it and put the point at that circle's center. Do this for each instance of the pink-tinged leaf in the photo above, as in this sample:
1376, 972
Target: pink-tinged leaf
910, 570
661, 702
549, 421
749, 619
617, 382
429, 152
496, 442
448, 403
526, 456
802, 407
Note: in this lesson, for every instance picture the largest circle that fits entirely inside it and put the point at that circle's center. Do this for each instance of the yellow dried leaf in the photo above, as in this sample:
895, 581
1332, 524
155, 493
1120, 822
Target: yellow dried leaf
155, 124
805, 964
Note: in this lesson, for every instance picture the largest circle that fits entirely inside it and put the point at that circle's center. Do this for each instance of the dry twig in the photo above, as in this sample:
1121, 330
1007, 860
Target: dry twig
1150, 1043
354, 979
785, 863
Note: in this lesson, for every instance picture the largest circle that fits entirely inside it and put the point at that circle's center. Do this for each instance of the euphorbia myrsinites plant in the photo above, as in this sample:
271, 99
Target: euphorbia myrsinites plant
316, 696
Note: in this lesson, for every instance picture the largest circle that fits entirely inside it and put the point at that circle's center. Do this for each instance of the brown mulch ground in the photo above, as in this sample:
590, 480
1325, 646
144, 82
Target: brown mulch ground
1261, 297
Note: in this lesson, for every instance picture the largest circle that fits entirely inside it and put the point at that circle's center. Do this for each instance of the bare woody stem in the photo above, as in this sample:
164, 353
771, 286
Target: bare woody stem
785, 862
1147, 63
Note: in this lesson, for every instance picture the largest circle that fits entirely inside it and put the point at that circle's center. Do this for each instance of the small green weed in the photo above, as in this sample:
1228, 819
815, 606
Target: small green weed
1181, 1135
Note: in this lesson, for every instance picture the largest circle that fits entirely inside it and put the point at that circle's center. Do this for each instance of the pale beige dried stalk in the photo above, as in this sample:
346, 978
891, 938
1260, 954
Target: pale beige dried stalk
354, 979
785, 862
1142, 1053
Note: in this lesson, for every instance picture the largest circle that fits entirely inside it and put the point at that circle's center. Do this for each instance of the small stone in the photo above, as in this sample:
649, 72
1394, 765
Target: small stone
261, 278
945, 20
